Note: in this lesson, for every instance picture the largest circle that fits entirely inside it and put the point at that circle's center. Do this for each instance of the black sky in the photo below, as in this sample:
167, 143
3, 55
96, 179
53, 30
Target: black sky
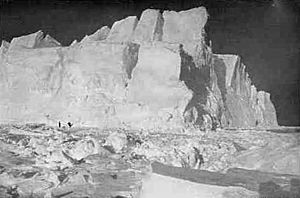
265, 33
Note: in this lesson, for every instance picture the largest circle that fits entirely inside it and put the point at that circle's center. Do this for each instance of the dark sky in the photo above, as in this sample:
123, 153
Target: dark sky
265, 33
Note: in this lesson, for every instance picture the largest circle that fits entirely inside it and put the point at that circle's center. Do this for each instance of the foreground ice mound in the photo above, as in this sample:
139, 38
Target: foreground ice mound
156, 72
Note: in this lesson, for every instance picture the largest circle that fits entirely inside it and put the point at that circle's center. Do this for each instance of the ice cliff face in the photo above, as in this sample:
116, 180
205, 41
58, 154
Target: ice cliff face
155, 72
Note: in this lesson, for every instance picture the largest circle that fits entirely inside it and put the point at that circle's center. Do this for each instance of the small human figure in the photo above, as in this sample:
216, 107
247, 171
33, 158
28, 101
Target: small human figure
199, 158
59, 124
70, 124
